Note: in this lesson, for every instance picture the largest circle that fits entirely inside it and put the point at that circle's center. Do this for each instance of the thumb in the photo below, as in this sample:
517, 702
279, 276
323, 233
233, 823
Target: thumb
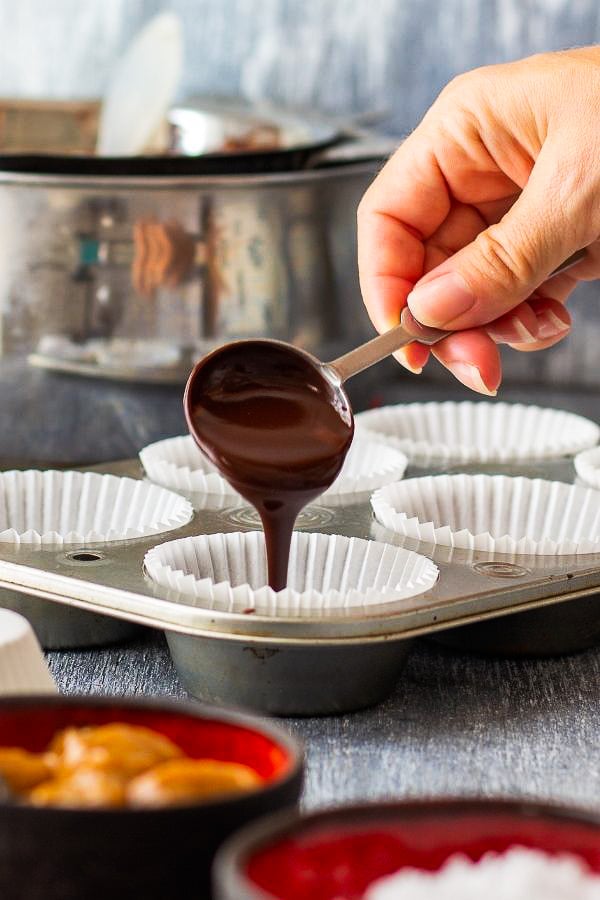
505, 263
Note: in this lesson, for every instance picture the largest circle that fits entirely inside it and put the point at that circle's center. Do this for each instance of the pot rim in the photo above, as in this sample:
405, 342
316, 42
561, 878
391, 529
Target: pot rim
183, 182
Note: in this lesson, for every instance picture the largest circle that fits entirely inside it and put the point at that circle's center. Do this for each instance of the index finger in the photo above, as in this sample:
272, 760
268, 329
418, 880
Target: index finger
405, 205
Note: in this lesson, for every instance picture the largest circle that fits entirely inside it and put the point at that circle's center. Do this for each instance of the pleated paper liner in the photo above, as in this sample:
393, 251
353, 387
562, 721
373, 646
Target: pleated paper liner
493, 513
328, 574
179, 464
50, 507
502, 565
587, 466
368, 465
449, 433
23, 669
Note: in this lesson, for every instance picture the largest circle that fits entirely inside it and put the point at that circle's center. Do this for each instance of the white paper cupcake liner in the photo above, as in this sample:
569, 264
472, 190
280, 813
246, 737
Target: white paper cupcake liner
369, 464
587, 466
49, 507
23, 669
493, 513
459, 433
328, 574
179, 464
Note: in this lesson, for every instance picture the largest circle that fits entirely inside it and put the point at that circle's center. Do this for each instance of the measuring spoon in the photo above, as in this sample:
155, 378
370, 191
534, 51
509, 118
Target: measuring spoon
277, 422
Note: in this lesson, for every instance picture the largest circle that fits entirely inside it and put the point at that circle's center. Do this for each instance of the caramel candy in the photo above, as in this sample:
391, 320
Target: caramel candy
22, 770
85, 787
124, 749
189, 780
117, 765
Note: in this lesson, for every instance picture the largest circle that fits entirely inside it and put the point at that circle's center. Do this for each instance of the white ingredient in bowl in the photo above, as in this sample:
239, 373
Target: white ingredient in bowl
518, 874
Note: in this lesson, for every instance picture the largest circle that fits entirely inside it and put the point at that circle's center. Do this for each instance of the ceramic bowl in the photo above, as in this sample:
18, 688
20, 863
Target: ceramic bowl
341, 852
123, 853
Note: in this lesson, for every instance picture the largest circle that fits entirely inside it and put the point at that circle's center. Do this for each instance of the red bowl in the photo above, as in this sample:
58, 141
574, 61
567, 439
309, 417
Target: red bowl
154, 853
338, 854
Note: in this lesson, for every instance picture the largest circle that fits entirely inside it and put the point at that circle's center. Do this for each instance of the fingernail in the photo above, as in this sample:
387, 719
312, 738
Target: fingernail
384, 323
513, 331
413, 357
550, 325
470, 376
400, 357
439, 302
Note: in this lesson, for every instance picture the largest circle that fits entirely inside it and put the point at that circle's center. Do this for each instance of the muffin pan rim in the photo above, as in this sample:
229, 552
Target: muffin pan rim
465, 591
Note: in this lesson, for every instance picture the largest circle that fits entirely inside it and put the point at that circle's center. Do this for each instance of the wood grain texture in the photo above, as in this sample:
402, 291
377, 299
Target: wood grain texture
455, 725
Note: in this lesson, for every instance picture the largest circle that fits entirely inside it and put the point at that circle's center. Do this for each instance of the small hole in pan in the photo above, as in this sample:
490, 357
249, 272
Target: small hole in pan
85, 555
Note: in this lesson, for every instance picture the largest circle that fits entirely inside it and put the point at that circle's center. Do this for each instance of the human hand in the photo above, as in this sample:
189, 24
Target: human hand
496, 187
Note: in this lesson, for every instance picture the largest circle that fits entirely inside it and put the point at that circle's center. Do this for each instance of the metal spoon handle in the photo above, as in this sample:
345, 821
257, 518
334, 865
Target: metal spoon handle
406, 332
385, 344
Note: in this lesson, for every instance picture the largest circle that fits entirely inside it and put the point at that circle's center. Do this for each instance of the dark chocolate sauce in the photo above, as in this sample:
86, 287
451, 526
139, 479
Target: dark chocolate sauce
276, 427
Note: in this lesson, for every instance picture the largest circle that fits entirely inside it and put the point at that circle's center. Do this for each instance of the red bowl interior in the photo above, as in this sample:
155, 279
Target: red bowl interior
331, 861
32, 727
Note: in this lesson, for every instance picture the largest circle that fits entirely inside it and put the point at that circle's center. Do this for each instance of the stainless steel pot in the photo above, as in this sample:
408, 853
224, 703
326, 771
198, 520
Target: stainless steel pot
188, 261
132, 278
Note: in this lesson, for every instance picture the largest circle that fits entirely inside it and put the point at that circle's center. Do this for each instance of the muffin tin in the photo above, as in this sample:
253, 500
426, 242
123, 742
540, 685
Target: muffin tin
64, 627
315, 664
56, 509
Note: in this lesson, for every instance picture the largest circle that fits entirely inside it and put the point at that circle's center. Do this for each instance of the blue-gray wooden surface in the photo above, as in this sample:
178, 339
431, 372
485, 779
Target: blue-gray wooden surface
341, 56
455, 725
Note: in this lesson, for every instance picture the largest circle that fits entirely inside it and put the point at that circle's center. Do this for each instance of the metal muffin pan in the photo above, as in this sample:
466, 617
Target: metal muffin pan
79, 509
326, 664
60, 627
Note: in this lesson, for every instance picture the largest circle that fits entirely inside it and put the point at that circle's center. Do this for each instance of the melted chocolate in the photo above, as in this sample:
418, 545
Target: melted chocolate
275, 427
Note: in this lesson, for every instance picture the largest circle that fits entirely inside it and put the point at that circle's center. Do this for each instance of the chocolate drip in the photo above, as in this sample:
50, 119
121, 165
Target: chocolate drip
276, 426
